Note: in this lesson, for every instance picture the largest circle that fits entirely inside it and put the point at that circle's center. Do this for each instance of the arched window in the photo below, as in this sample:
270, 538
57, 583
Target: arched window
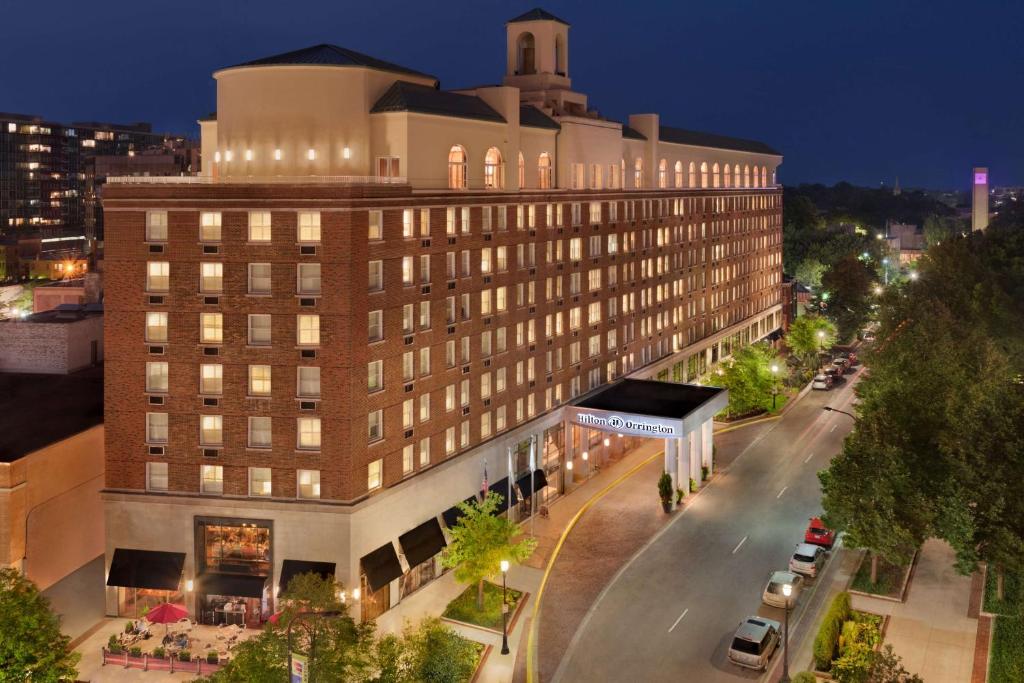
746, 176
679, 174
728, 176
693, 175
525, 52
561, 68
622, 175
638, 173
703, 174
544, 171
457, 167
764, 177
775, 179
662, 174
714, 175
522, 171
493, 175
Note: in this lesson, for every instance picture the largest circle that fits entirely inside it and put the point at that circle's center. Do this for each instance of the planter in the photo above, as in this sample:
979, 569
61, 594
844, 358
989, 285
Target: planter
666, 505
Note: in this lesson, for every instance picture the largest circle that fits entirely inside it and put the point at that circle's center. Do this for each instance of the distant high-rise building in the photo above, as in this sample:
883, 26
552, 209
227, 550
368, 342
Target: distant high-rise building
48, 170
979, 199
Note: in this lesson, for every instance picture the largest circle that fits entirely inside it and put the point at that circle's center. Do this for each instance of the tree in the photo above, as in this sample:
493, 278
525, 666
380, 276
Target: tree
32, 648
435, 653
936, 229
481, 540
848, 284
887, 667
809, 273
749, 378
805, 342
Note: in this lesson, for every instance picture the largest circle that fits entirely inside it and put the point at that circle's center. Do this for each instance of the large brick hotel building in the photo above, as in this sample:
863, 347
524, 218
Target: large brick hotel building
377, 290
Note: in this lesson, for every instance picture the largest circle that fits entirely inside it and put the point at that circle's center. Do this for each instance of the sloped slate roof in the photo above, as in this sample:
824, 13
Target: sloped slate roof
628, 132
422, 99
691, 137
332, 55
529, 115
537, 14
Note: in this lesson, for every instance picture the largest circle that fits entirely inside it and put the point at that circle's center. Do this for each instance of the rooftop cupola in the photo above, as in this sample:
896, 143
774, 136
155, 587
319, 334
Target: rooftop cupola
537, 51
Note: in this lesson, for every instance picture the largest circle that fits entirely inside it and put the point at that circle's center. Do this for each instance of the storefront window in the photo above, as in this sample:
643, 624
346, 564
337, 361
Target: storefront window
419, 576
236, 549
136, 602
374, 604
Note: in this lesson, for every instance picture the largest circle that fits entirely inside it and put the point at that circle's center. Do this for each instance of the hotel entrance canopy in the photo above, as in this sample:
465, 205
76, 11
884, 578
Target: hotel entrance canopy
635, 407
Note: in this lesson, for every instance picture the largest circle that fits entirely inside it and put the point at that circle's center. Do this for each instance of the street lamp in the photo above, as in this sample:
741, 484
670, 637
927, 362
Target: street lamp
787, 590
830, 409
299, 616
878, 290
775, 383
504, 608
913, 275
885, 269
821, 341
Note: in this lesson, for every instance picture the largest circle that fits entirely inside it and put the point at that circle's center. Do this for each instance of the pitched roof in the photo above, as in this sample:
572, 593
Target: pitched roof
529, 115
332, 55
628, 132
422, 99
537, 14
691, 137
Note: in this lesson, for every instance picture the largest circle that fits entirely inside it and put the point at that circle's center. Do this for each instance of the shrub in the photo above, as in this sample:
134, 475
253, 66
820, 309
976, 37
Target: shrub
159, 652
135, 652
665, 487
804, 677
113, 644
693, 485
184, 656
679, 496
827, 640
212, 657
704, 472
129, 627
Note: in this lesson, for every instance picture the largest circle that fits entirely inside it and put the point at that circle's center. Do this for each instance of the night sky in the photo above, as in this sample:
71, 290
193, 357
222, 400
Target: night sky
862, 90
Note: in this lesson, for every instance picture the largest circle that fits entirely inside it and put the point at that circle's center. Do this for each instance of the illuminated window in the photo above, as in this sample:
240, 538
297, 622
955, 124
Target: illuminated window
209, 226
211, 328
156, 427
375, 475
156, 327
211, 379
408, 463
522, 171
457, 167
259, 226
212, 479
728, 176
211, 278
308, 382
679, 174
703, 174
156, 377
376, 275
156, 476
663, 174
259, 329
158, 276
375, 375
693, 175
376, 326
746, 176
309, 278
714, 175
407, 270
211, 430
260, 432
309, 227
259, 278
638, 173
493, 170
259, 380
311, 154
375, 426
308, 330
308, 484
259, 482
544, 172
156, 226
307, 430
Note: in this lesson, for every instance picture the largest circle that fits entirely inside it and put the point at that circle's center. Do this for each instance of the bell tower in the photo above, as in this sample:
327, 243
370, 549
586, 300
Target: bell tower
537, 52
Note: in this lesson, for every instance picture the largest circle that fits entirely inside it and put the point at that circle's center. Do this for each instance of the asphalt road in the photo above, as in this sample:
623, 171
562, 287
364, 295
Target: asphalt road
669, 615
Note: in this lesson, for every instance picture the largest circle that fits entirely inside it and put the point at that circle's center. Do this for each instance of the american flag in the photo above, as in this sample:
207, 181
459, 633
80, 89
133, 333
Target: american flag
483, 484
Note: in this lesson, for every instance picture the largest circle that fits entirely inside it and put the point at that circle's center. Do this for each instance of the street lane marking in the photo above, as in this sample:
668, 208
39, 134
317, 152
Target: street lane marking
833, 428
672, 628
734, 550
781, 492
808, 458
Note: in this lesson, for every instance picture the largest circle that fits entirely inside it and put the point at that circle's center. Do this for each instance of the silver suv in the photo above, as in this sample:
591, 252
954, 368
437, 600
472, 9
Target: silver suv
754, 643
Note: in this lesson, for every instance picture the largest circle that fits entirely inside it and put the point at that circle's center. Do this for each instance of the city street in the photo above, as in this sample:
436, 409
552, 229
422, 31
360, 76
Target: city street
670, 614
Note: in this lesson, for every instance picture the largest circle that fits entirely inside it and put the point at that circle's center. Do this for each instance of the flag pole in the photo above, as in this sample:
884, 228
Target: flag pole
508, 501
533, 485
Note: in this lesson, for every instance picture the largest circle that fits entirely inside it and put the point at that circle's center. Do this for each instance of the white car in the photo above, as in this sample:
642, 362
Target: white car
773, 594
807, 559
822, 383
754, 643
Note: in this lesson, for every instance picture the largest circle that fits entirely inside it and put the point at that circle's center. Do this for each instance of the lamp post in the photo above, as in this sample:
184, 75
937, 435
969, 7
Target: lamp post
504, 608
821, 343
775, 383
830, 409
300, 616
787, 590
885, 269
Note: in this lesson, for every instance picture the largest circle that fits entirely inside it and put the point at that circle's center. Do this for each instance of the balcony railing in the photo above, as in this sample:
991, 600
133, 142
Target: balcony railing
249, 180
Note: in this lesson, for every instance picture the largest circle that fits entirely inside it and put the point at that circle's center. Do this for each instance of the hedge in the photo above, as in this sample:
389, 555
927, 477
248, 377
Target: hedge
827, 640
805, 677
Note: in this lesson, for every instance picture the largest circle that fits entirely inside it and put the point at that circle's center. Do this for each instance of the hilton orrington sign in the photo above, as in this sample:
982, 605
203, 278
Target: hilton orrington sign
632, 425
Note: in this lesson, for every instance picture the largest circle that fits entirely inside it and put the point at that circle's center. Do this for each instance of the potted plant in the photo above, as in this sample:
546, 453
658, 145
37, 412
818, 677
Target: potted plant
693, 485
211, 657
704, 472
184, 656
159, 652
665, 491
114, 645
135, 651
679, 496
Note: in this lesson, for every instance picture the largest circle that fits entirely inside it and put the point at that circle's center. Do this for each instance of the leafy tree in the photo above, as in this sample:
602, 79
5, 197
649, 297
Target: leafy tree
481, 540
804, 341
748, 378
809, 273
887, 667
435, 653
937, 229
32, 648
849, 283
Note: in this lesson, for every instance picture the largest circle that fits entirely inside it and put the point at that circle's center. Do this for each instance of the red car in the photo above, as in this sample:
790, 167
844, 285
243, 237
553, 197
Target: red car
819, 534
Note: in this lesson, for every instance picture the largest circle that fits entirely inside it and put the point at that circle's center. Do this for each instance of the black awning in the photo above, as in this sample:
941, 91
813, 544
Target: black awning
232, 585
501, 488
451, 515
291, 568
423, 542
146, 569
526, 485
381, 566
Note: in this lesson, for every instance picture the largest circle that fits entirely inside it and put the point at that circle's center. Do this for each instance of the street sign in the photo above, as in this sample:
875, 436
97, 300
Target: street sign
300, 668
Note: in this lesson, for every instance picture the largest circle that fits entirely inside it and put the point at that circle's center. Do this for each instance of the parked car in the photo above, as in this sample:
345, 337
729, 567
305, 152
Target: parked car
808, 559
849, 355
822, 382
841, 364
773, 594
836, 375
754, 643
819, 534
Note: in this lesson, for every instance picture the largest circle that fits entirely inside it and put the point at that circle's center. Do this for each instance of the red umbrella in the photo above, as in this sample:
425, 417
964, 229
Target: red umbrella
166, 613
276, 617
